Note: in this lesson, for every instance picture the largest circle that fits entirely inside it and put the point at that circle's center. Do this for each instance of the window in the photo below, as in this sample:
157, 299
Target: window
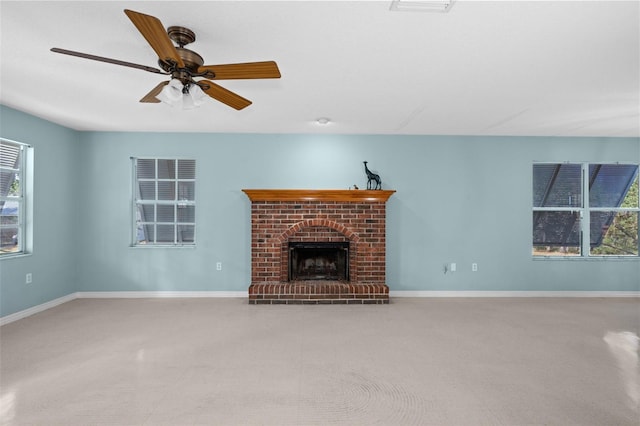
13, 194
585, 209
164, 202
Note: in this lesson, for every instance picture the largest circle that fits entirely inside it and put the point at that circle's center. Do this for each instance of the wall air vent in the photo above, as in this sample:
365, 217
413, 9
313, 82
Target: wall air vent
421, 5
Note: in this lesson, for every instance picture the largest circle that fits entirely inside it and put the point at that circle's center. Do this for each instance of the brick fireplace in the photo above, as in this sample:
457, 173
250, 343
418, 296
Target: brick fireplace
354, 221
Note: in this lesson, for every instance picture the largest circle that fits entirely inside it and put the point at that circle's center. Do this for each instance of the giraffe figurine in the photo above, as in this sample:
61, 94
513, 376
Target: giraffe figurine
372, 177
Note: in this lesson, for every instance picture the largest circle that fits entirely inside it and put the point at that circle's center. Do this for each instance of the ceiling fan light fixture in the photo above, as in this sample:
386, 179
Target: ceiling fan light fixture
195, 97
171, 93
187, 96
187, 102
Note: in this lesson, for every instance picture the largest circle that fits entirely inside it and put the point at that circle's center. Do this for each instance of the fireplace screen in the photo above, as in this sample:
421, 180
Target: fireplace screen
319, 261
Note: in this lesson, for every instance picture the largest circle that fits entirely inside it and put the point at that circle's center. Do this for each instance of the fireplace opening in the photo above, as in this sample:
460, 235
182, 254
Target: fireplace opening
319, 261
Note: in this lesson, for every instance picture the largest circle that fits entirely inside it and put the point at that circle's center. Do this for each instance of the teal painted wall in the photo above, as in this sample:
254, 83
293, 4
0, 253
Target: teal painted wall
53, 261
459, 199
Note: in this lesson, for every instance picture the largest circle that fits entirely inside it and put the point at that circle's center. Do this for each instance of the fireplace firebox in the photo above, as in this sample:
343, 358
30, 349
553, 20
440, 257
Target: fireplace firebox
310, 261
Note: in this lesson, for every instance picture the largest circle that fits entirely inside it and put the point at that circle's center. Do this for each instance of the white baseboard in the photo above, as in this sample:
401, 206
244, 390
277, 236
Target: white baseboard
411, 293
157, 294
243, 294
36, 309
116, 295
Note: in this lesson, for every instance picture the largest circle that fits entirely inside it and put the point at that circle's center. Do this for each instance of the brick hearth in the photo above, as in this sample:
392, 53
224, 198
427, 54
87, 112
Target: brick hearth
282, 216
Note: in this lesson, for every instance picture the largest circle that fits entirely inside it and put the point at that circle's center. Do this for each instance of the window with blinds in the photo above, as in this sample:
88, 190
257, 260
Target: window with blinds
585, 209
164, 202
13, 203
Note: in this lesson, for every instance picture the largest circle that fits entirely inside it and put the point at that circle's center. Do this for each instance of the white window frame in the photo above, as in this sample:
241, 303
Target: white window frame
584, 210
23, 199
176, 203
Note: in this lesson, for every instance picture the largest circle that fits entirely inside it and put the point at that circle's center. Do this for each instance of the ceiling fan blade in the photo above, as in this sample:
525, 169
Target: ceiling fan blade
108, 60
266, 69
223, 95
151, 96
156, 35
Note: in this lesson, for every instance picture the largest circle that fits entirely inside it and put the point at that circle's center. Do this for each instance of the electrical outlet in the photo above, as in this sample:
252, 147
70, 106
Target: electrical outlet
219, 266
28, 278
452, 268
474, 267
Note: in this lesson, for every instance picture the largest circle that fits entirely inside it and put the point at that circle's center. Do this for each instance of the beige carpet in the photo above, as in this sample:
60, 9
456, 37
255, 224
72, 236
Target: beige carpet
412, 362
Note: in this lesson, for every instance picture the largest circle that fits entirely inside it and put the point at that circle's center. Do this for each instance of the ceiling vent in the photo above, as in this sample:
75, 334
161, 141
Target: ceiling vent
421, 5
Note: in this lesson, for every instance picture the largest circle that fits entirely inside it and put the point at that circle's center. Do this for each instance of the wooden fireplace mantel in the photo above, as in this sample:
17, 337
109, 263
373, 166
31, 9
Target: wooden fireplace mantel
345, 195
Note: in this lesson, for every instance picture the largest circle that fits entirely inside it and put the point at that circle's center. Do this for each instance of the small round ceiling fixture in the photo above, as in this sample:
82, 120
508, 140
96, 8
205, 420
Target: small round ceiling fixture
323, 121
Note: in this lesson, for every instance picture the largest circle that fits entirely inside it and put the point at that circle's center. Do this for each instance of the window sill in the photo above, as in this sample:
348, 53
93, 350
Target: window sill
163, 246
14, 256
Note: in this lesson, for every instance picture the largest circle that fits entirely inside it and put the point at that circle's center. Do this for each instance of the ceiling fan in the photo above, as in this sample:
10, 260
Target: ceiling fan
184, 65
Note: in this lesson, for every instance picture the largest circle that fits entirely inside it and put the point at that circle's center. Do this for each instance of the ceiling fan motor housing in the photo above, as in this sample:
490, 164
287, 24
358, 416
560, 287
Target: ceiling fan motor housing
192, 61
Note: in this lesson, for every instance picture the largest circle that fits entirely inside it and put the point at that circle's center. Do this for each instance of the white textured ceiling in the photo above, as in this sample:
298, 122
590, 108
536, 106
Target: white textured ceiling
485, 68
